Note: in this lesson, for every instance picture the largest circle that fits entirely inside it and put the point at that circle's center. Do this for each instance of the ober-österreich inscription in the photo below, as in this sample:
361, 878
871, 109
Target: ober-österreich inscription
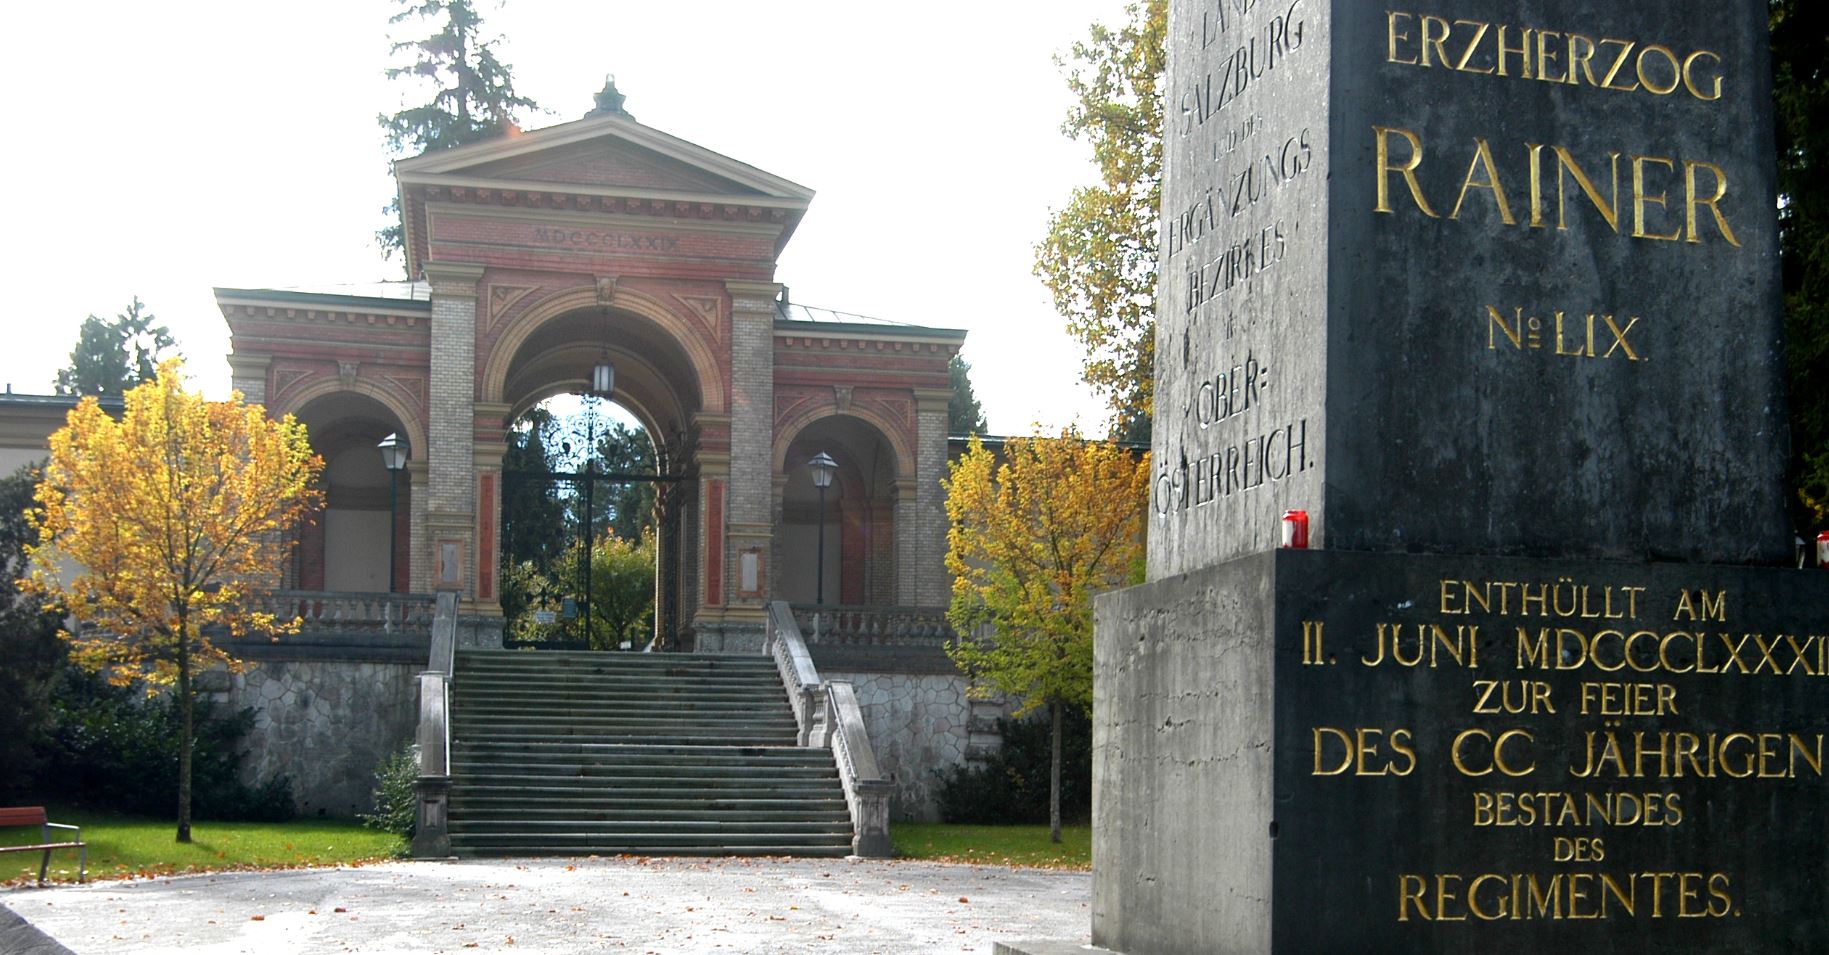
1469, 277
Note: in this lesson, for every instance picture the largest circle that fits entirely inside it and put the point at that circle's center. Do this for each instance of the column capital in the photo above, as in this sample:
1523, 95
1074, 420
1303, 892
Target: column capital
752, 296
932, 399
453, 279
249, 366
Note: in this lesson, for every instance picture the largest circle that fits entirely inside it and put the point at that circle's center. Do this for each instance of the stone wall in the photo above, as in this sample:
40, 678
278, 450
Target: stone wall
921, 724
326, 713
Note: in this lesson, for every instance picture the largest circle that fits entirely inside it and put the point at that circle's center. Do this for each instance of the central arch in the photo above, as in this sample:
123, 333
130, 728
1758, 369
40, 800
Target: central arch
685, 331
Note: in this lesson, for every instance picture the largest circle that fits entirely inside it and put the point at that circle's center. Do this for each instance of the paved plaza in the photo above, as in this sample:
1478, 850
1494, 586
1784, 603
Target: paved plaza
567, 905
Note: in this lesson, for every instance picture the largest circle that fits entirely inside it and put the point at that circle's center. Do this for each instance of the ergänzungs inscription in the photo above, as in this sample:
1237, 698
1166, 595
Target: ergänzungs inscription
1593, 718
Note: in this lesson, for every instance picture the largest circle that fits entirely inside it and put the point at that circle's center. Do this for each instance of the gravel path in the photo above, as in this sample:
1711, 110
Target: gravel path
569, 905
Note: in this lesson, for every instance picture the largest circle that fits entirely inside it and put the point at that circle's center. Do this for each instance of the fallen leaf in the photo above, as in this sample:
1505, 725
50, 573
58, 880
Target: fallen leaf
257, 918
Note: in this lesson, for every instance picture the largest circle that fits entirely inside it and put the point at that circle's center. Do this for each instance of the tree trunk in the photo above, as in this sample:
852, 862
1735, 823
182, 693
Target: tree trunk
187, 733
1054, 778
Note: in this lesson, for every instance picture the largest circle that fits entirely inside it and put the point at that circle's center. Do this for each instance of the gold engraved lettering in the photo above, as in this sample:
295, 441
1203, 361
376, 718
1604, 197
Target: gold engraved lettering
1523, 50
1312, 653
1472, 46
1712, 202
1482, 157
1640, 199
1625, 52
1435, 41
1489, 752
1361, 751
1391, 17
1407, 170
1676, 70
1512, 697
1545, 56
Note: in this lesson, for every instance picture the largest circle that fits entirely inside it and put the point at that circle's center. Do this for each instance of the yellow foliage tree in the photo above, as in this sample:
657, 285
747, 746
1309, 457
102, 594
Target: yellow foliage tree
1031, 541
162, 527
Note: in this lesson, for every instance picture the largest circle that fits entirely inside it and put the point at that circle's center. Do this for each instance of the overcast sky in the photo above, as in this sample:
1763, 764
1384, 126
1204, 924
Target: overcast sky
162, 149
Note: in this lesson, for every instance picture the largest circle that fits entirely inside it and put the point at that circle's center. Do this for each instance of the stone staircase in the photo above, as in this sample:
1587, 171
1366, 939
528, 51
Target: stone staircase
634, 753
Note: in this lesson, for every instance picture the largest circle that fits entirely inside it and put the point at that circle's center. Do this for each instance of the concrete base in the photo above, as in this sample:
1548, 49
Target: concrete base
1048, 948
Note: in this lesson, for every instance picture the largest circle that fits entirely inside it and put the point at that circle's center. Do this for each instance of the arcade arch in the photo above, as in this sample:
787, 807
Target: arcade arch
860, 565
344, 546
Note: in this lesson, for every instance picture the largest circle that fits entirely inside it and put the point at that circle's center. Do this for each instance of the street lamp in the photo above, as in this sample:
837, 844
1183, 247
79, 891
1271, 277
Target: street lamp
603, 382
394, 452
822, 468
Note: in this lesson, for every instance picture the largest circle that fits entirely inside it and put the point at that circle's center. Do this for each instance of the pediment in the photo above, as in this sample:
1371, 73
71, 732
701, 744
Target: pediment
608, 155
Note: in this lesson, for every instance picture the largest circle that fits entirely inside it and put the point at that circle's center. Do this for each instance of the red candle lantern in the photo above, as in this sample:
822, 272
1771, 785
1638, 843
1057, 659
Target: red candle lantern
1295, 530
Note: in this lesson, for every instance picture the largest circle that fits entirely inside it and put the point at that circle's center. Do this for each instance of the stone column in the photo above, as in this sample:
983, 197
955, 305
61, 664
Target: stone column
924, 582
487, 463
248, 375
419, 569
752, 407
450, 457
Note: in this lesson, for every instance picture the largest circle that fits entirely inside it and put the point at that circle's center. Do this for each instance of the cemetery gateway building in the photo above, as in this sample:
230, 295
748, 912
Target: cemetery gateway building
544, 255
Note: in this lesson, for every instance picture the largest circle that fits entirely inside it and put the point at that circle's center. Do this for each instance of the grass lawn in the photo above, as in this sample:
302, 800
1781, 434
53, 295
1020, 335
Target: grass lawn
993, 845
127, 847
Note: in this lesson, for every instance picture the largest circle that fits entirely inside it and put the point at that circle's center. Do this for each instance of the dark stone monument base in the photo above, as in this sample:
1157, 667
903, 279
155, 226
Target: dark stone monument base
1325, 751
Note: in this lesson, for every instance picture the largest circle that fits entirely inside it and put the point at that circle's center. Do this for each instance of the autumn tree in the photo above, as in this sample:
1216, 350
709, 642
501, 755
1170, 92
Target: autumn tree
1098, 258
162, 529
113, 355
469, 91
1032, 539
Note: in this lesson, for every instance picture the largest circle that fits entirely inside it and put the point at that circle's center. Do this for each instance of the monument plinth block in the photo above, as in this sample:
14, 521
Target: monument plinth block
1323, 751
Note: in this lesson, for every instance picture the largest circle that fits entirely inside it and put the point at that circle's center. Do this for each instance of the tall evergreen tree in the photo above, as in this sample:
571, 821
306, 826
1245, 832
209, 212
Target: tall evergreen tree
30, 652
1800, 74
472, 90
964, 415
113, 355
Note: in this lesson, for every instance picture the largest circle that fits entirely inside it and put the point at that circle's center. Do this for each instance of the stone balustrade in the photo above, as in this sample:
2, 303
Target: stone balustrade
334, 612
852, 625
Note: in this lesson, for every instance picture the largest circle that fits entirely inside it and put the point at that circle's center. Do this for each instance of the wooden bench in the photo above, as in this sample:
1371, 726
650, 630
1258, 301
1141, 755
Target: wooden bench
19, 816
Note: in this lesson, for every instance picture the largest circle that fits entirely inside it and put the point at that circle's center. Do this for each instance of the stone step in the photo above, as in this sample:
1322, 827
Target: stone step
489, 800
603, 777
580, 839
534, 847
574, 683
684, 705
723, 739
467, 755
653, 826
791, 754
469, 660
613, 770
489, 790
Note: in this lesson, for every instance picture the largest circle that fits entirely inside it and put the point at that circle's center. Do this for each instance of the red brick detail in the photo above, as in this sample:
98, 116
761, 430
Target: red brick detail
714, 543
311, 551
485, 537
403, 541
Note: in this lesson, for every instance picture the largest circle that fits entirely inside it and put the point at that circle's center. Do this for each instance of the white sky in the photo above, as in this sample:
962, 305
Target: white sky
165, 148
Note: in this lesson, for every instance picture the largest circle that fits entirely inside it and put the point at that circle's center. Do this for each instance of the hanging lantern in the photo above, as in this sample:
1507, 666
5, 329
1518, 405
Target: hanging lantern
603, 378
1822, 550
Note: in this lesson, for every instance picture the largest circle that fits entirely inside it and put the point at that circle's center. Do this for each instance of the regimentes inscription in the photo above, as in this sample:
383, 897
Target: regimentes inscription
1597, 714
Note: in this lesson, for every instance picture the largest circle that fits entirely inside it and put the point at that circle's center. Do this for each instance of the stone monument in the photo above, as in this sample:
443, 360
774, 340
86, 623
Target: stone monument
1490, 291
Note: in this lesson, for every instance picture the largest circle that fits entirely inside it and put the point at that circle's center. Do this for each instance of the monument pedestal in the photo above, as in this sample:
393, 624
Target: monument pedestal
1313, 751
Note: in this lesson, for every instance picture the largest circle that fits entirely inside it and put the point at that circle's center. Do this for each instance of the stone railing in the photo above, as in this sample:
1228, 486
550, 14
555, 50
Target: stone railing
333, 612
852, 625
432, 836
827, 714
798, 675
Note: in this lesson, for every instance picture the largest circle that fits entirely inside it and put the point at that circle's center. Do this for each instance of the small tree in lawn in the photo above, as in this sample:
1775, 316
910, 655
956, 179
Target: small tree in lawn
167, 524
1032, 539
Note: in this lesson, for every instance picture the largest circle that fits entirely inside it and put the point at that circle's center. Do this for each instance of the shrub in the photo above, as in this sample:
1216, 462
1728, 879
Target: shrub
396, 799
113, 748
1012, 785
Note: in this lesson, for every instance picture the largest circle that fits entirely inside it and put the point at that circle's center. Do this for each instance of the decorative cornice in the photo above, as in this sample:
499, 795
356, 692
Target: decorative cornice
453, 279
911, 341
933, 399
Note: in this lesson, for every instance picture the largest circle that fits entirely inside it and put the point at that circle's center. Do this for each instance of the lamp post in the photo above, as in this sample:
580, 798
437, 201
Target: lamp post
603, 381
394, 453
822, 468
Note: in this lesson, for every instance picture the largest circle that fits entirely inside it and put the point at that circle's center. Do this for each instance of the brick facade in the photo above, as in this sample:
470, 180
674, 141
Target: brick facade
660, 256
